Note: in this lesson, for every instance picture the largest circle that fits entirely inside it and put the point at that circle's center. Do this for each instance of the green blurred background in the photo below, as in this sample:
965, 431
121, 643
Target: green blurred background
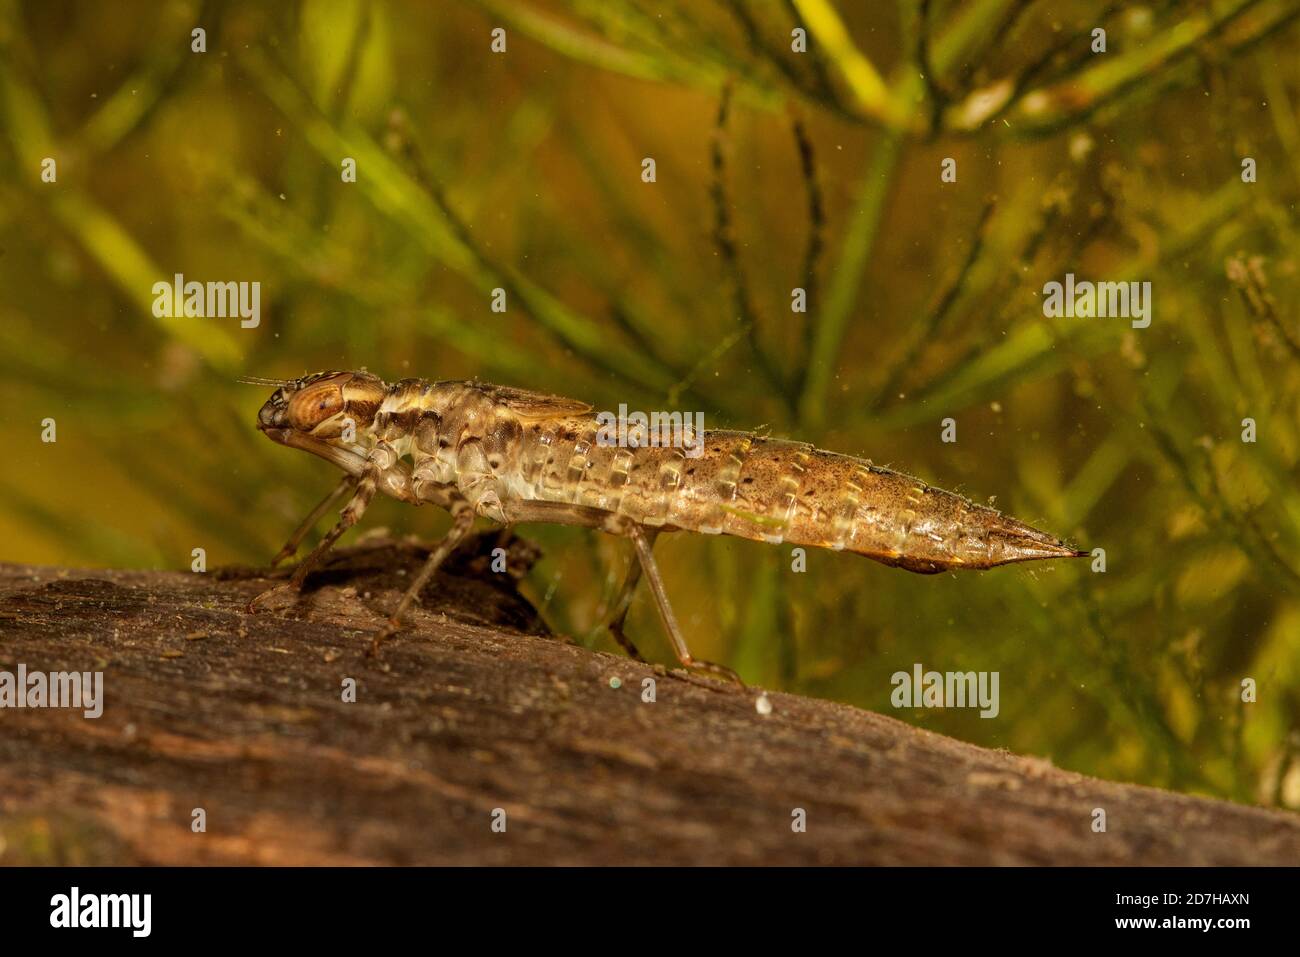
774, 169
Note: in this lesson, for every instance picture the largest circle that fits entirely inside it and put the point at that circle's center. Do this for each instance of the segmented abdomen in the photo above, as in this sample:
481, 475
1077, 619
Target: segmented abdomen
774, 491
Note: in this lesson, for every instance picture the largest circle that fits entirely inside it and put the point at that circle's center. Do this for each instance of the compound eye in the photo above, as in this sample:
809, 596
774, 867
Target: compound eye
315, 403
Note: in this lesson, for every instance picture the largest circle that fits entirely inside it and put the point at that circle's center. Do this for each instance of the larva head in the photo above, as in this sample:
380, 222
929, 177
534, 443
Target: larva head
321, 404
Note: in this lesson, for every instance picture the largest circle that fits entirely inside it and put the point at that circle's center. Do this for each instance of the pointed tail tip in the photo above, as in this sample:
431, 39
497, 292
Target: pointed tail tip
1055, 548
1041, 550
1023, 543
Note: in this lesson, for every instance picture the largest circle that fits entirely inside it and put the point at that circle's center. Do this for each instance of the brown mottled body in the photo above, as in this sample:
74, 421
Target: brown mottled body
499, 450
515, 456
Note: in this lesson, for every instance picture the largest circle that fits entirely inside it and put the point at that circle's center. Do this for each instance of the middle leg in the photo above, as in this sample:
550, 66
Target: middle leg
618, 611
462, 520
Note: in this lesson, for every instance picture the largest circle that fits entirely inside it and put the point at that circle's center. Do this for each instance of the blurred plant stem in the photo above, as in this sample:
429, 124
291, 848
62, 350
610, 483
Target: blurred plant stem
846, 278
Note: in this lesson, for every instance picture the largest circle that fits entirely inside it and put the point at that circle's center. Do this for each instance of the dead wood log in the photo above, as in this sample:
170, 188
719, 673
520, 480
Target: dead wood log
474, 708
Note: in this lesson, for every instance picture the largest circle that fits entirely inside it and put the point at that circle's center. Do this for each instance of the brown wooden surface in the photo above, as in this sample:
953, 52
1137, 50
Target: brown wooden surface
473, 708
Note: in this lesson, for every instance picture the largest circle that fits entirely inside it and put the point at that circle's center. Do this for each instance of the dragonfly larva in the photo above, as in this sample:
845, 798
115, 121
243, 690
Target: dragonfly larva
511, 455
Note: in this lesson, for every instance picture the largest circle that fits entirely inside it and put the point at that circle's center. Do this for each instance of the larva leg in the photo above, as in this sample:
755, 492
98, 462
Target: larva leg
645, 552
350, 515
462, 520
308, 523
619, 610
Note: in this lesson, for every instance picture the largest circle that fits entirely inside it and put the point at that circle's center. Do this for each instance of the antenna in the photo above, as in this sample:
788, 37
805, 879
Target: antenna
258, 380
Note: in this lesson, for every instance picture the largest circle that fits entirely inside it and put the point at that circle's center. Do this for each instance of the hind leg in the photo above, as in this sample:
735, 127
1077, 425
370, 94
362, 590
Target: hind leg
644, 543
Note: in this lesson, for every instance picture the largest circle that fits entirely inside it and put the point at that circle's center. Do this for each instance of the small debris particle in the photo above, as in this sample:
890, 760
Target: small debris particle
331, 655
173, 653
763, 705
197, 636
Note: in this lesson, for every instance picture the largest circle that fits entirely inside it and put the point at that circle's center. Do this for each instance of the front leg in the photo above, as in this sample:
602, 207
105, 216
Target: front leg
312, 518
350, 515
